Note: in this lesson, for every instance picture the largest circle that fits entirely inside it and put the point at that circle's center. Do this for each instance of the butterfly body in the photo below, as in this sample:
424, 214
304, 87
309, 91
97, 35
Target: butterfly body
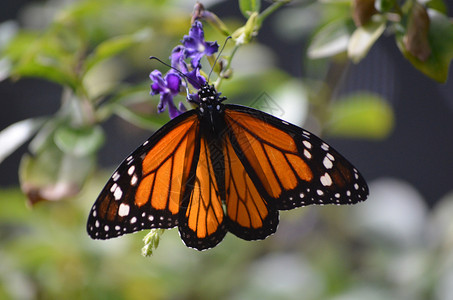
222, 168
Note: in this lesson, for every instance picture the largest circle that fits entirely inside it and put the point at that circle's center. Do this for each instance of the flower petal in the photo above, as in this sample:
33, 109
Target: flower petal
158, 85
195, 79
172, 110
173, 82
195, 45
181, 107
211, 48
177, 59
196, 31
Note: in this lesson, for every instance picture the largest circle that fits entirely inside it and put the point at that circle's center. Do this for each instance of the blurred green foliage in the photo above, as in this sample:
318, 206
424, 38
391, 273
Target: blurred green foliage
90, 48
390, 248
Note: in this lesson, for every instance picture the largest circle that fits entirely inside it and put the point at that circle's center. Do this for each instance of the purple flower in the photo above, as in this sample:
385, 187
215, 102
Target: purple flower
167, 87
196, 46
195, 79
177, 59
193, 48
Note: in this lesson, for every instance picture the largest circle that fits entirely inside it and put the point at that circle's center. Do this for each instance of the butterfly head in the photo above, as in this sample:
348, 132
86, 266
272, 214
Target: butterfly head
208, 97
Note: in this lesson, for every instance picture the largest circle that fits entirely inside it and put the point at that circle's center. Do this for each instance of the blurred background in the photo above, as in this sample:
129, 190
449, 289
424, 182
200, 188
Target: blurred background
396, 245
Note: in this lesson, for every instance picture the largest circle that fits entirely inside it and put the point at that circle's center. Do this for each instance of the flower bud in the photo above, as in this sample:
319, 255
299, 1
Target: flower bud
362, 11
416, 38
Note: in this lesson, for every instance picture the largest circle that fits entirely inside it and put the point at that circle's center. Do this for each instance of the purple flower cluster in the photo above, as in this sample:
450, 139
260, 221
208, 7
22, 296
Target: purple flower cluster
193, 48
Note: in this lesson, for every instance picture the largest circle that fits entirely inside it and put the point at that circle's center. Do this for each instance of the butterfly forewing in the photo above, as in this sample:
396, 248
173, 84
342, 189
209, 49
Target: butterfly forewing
290, 165
146, 189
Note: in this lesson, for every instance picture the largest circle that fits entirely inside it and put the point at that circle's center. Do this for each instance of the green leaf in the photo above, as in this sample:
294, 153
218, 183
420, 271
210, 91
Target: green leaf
79, 141
438, 5
249, 6
440, 38
384, 6
53, 175
42, 56
114, 46
13, 136
142, 120
361, 114
134, 105
364, 38
43, 136
45, 68
123, 96
330, 40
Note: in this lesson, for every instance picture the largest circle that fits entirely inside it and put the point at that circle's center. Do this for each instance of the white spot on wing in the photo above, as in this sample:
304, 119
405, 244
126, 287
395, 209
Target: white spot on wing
307, 154
115, 176
134, 179
118, 193
307, 144
326, 180
327, 163
131, 170
133, 220
123, 210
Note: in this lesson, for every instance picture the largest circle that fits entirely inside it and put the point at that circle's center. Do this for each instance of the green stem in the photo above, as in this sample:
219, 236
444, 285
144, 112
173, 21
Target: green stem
261, 17
228, 66
271, 9
327, 93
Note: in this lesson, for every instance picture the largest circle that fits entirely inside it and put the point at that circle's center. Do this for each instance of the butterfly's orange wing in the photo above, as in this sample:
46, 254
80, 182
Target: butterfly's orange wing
202, 218
250, 215
146, 190
234, 178
280, 166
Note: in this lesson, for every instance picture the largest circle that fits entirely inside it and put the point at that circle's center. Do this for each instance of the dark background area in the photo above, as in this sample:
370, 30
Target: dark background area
419, 150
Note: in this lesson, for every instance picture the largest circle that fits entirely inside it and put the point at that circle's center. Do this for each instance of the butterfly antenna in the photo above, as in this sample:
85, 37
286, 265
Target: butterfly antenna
217, 58
179, 72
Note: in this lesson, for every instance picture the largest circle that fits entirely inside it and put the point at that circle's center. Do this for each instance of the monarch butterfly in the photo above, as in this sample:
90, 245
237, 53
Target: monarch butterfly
219, 168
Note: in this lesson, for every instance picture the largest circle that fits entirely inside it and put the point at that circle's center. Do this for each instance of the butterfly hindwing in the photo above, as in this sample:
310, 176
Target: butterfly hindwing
202, 223
249, 215
146, 189
290, 165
